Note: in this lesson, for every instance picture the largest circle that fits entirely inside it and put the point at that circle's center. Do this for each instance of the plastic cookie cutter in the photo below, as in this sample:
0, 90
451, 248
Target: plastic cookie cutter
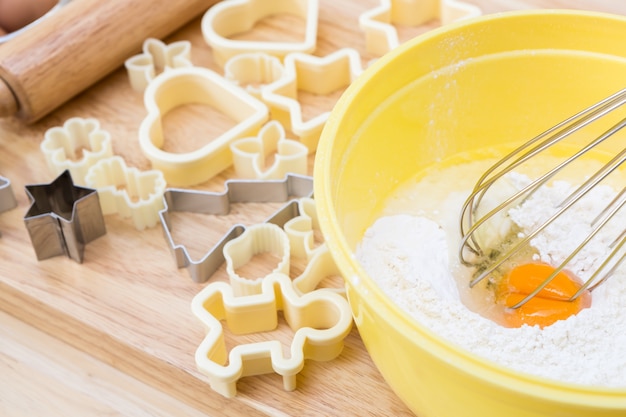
232, 17
320, 76
156, 58
253, 71
7, 198
77, 136
236, 191
320, 321
250, 154
63, 218
194, 85
54, 9
128, 192
378, 23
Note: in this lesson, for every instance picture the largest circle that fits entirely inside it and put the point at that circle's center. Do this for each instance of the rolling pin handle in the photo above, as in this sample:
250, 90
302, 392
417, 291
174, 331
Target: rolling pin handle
8, 102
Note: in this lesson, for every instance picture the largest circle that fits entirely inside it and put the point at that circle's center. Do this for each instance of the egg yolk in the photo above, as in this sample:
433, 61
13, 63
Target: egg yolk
549, 305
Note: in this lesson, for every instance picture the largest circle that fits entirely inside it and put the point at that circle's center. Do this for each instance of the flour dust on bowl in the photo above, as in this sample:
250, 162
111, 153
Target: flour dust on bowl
400, 152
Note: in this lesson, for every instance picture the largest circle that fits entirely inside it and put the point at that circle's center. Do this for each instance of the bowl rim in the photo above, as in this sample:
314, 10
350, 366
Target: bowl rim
362, 283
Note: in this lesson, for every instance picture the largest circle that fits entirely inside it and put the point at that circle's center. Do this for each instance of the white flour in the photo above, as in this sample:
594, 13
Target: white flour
410, 257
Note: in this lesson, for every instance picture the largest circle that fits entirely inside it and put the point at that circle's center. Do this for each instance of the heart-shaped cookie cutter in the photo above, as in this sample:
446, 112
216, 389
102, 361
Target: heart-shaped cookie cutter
378, 23
195, 85
320, 320
232, 17
236, 191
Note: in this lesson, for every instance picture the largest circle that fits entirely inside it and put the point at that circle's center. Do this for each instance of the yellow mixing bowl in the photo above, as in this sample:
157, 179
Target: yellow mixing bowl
478, 83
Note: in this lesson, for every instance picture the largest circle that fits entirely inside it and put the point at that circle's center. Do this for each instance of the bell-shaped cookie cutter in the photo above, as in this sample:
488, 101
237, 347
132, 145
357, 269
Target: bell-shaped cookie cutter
233, 17
378, 23
63, 218
250, 154
195, 85
128, 192
236, 191
316, 75
253, 71
156, 58
77, 135
320, 319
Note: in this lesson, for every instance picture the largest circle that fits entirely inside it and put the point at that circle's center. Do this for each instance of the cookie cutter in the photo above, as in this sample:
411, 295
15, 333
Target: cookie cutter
253, 71
250, 154
197, 85
128, 192
63, 218
54, 9
320, 320
156, 58
378, 23
316, 75
77, 135
236, 191
232, 17
7, 198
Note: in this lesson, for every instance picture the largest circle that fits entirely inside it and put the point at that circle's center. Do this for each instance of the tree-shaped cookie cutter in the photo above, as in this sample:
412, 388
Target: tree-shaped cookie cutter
218, 203
320, 320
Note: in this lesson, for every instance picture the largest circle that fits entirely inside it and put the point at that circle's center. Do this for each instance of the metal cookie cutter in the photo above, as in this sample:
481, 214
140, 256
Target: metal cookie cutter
13, 34
232, 17
156, 58
77, 135
378, 23
320, 76
7, 198
189, 85
63, 218
253, 71
250, 154
320, 320
128, 192
237, 191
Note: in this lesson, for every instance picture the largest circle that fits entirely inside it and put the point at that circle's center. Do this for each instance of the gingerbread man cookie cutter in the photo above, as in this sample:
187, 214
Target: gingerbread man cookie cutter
231, 17
378, 23
61, 145
320, 321
236, 191
129, 192
156, 58
194, 85
250, 154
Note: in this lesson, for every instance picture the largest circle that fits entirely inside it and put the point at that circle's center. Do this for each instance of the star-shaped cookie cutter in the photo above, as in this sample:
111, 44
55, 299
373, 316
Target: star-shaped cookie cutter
320, 319
7, 198
378, 23
195, 85
77, 135
250, 154
316, 75
128, 192
236, 191
229, 18
156, 58
63, 218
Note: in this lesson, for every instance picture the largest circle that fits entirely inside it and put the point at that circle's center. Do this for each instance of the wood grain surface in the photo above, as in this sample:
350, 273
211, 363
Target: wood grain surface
127, 304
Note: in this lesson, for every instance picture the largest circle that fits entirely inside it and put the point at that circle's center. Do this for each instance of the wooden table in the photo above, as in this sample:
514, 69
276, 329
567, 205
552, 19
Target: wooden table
127, 304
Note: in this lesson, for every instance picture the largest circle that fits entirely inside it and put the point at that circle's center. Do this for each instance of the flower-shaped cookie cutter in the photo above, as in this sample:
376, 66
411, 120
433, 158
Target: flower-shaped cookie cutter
316, 75
232, 17
250, 154
320, 320
78, 135
378, 23
63, 218
128, 192
195, 85
253, 71
156, 58
236, 191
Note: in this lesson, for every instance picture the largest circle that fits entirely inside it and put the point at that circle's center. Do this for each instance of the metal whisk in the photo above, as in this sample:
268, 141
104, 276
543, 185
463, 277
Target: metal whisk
488, 260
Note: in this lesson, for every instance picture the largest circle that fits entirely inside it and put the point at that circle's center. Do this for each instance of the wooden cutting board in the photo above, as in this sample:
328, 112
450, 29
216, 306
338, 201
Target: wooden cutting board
128, 304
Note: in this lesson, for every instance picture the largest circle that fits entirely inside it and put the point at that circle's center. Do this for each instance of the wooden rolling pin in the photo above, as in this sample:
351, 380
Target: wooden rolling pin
79, 44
